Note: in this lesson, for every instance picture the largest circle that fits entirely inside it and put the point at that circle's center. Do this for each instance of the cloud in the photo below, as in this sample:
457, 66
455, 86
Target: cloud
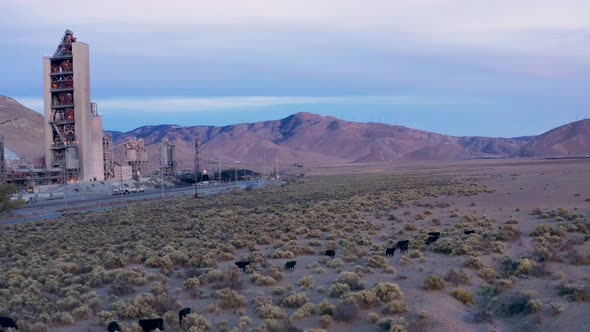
524, 26
163, 105
181, 105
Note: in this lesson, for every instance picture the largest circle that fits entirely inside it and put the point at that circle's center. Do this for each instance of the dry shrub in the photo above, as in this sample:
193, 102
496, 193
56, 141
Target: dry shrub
294, 300
525, 266
106, 316
214, 275
556, 308
282, 254
410, 227
338, 289
264, 308
377, 261
488, 274
468, 218
82, 312
373, 317
304, 311
326, 321
263, 281
548, 230
352, 279
195, 322
275, 325
387, 291
512, 220
306, 282
327, 308
457, 277
232, 278
164, 263
346, 312
507, 233
464, 296
276, 272
335, 263
574, 292
365, 299
434, 282
139, 307
443, 246
522, 302
395, 308
191, 283
393, 324
230, 299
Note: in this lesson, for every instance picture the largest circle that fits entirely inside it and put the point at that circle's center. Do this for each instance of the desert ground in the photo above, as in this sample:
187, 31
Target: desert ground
526, 266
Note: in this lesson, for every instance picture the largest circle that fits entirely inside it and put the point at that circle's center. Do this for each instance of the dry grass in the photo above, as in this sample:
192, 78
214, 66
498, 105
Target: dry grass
94, 265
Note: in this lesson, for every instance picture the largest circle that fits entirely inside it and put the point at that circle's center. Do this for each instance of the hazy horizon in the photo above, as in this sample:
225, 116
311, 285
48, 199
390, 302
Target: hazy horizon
461, 68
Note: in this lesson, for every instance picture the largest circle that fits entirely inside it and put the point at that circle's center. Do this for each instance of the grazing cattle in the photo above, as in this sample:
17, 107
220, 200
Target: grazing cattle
389, 252
469, 231
290, 265
430, 239
242, 265
8, 322
183, 312
434, 234
331, 253
151, 324
114, 327
403, 246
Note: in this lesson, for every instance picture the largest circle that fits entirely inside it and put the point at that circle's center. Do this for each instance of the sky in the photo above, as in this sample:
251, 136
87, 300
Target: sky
457, 67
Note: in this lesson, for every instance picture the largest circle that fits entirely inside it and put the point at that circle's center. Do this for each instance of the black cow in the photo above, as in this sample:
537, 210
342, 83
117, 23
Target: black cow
430, 239
469, 231
403, 246
330, 253
290, 265
151, 324
183, 312
8, 322
114, 327
242, 265
434, 234
389, 252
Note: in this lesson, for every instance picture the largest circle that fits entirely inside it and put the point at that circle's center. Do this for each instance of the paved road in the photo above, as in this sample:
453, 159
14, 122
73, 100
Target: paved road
55, 208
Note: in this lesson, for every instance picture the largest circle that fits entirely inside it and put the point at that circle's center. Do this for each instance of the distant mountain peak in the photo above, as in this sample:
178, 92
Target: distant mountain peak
307, 138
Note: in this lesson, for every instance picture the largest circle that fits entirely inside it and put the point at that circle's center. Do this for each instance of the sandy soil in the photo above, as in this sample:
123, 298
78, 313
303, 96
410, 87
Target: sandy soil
516, 188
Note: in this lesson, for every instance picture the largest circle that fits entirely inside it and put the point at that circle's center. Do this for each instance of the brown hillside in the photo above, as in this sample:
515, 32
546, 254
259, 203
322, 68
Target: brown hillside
311, 138
22, 129
571, 140
299, 138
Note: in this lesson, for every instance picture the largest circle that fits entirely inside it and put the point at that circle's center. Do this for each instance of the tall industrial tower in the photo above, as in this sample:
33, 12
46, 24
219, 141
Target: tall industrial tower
73, 128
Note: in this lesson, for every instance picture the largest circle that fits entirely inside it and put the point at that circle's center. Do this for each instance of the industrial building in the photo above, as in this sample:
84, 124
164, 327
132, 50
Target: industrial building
136, 156
73, 127
168, 161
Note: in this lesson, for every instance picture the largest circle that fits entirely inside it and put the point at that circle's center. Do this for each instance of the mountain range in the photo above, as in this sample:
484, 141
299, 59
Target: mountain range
310, 138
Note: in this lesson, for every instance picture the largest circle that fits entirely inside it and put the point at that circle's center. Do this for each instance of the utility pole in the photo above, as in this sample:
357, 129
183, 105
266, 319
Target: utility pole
1, 159
65, 189
65, 164
162, 176
120, 185
197, 157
